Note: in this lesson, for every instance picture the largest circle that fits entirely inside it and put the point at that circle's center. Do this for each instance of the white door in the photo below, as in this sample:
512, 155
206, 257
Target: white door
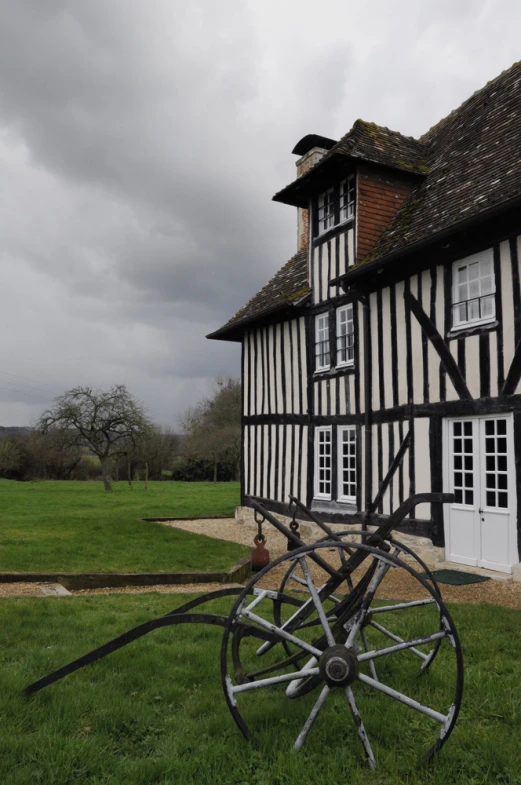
480, 526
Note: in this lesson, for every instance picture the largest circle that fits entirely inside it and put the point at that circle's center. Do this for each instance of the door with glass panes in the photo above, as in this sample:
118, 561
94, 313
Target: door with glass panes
480, 525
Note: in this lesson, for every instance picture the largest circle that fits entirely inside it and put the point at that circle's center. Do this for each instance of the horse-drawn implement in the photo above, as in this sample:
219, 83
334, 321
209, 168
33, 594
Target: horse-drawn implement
320, 624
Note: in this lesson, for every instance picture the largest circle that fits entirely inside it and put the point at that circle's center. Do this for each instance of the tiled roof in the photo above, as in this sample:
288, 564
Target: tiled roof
474, 161
289, 286
367, 142
372, 142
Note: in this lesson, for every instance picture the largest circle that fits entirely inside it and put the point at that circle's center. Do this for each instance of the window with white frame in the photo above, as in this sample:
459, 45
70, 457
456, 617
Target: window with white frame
473, 290
347, 463
323, 469
347, 198
345, 336
322, 350
336, 205
326, 210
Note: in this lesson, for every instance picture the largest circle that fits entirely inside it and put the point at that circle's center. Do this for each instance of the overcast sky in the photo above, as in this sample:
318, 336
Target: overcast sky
141, 142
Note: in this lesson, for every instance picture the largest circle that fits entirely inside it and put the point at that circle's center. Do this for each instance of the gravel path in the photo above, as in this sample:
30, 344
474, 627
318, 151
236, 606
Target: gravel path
398, 584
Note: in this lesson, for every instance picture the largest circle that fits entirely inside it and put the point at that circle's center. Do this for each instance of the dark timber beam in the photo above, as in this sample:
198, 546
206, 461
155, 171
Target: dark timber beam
398, 458
447, 360
514, 373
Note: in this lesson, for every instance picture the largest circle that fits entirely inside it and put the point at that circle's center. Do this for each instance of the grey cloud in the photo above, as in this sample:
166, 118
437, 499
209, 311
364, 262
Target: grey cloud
140, 145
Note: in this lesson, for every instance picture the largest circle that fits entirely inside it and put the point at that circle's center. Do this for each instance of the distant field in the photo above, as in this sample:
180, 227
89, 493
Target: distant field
78, 526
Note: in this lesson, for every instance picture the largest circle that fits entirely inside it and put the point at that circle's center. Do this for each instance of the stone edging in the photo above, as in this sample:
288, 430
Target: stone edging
102, 580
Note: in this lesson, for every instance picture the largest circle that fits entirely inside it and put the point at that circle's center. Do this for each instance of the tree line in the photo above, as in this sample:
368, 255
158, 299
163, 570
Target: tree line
94, 434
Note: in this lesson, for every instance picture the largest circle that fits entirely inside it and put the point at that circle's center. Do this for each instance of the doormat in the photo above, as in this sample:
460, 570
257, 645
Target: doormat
457, 578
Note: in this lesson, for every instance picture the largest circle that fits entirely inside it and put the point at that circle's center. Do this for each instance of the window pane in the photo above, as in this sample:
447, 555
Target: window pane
488, 306
473, 309
473, 271
491, 481
487, 285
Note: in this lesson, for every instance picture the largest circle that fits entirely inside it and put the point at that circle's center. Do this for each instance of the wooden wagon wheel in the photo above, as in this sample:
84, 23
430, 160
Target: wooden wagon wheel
294, 580
324, 648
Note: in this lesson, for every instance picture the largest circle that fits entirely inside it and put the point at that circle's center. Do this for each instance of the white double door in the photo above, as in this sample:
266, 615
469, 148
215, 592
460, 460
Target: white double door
479, 469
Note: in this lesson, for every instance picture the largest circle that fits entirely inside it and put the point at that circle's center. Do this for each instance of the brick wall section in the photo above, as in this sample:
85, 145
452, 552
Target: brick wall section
380, 194
303, 229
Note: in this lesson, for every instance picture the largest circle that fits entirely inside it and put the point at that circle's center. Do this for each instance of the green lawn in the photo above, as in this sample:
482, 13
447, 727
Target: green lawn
155, 713
79, 527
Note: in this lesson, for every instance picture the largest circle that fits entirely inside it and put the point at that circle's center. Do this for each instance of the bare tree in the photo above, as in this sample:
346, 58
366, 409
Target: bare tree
105, 422
213, 426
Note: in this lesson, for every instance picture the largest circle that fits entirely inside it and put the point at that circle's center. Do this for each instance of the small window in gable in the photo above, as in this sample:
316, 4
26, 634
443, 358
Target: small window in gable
336, 205
345, 336
326, 210
347, 199
473, 290
322, 350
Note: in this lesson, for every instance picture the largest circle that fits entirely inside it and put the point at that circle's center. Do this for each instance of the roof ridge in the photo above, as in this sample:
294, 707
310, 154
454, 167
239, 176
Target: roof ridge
427, 137
370, 123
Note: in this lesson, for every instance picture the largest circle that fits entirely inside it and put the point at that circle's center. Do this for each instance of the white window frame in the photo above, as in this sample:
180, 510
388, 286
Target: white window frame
350, 331
319, 331
347, 199
336, 201
326, 210
351, 429
485, 268
317, 493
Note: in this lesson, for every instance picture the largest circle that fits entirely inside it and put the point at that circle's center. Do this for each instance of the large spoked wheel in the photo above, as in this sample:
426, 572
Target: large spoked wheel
294, 580
352, 652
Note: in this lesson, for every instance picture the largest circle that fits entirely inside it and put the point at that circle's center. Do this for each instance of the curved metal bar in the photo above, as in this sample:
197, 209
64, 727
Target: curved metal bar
216, 595
138, 632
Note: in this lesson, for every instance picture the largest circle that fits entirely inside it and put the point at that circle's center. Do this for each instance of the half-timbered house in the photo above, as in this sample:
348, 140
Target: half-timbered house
384, 358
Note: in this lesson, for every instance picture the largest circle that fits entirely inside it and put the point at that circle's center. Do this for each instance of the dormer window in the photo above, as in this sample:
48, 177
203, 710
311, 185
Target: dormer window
336, 205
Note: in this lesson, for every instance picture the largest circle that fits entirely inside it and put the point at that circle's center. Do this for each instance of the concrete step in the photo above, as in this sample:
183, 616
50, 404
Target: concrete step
54, 590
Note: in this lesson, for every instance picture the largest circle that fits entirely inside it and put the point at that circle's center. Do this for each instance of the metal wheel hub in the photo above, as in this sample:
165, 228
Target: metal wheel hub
338, 666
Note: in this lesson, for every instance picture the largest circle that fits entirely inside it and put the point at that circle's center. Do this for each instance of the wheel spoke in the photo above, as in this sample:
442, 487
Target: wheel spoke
366, 649
401, 605
397, 638
399, 696
256, 685
281, 633
316, 602
371, 655
315, 711
360, 728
